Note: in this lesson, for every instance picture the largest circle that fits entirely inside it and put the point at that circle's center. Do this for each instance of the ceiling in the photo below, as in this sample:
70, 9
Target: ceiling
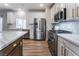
24, 6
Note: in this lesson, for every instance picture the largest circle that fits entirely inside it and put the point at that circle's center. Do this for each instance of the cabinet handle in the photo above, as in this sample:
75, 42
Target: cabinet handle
14, 45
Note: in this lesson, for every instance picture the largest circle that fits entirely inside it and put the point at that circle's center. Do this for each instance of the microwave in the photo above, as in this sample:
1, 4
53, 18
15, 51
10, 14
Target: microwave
61, 15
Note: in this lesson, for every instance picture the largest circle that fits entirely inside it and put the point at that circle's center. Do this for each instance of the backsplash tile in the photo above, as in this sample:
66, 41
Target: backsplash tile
72, 26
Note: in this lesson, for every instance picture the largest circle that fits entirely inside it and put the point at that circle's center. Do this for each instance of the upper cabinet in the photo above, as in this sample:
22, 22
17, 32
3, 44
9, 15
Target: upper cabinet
11, 20
11, 17
72, 10
16, 20
3, 20
77, 10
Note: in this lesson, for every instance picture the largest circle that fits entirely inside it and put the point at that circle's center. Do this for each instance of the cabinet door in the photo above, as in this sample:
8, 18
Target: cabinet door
60, 49
21, 48
68, 52
16, 51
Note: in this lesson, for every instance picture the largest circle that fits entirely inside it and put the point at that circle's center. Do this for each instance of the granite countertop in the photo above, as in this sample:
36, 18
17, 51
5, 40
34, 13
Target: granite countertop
74, 38
7, 37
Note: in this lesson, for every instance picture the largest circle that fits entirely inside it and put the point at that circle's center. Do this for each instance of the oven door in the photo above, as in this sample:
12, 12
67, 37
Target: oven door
51, 43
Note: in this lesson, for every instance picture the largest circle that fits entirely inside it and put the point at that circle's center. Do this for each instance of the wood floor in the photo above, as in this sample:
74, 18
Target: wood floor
35, 48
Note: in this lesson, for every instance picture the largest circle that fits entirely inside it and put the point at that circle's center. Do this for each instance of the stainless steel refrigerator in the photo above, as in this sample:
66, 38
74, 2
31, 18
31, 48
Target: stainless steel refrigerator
40, 29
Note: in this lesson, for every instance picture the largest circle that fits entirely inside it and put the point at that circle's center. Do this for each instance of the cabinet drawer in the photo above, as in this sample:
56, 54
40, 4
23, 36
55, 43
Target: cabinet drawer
16, 51
68, 52
7, 50
60, 39
72, 47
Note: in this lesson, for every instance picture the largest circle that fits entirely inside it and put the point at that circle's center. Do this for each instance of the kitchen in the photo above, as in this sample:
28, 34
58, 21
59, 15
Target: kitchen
39, 29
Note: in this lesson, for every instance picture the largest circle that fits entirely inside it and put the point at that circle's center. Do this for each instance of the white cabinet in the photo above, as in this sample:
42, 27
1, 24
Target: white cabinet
70, 11
11, 17
3, 20
60, 49
65, 48
11, 20
69, 52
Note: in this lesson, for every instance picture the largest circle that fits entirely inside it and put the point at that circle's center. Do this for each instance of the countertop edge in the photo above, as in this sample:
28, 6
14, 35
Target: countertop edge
4, 46
75, 43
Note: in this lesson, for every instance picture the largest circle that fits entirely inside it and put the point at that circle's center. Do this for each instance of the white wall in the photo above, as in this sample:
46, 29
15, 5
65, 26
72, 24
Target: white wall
48, 19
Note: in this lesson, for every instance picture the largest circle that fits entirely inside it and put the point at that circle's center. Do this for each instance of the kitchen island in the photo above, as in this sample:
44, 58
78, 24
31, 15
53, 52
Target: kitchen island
68, 44
11, 43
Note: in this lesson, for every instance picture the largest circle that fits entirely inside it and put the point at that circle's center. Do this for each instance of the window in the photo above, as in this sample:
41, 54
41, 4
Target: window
21, 23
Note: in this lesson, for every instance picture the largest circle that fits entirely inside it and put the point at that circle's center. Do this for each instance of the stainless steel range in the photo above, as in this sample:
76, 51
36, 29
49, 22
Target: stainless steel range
53, 40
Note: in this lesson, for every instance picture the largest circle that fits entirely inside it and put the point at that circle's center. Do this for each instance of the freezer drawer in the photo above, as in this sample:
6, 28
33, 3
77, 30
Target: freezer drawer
40, 36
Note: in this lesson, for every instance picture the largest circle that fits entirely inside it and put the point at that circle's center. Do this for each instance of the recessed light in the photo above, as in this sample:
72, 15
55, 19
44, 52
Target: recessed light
6, 4
61, 5
20, 12
41, 5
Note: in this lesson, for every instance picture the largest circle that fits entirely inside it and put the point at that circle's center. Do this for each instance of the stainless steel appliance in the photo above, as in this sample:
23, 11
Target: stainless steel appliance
40, 29
52, 42
53, 38
61, 15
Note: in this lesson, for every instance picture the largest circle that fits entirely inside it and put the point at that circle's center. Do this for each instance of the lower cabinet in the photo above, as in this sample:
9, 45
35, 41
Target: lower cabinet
68, 52
64, 50
60, 49
15, 52
14, 49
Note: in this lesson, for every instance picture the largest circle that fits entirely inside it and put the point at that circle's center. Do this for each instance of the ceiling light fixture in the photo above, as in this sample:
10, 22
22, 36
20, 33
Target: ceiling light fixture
6, 4
41, 5
20, 11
